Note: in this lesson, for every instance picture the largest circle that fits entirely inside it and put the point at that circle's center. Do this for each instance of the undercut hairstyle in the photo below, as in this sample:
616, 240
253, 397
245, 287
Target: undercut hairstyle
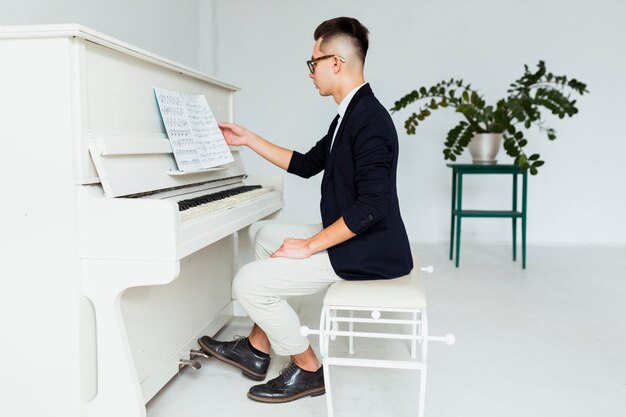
344, 27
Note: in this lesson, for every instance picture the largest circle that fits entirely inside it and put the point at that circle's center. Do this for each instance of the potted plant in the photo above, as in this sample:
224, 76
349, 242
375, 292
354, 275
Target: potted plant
519, 110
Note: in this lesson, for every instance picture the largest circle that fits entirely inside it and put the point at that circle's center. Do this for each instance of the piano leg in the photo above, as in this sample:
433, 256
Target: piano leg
245, 247
104, 281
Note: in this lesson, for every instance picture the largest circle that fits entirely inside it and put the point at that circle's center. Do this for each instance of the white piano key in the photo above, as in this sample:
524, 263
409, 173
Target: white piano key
223, 204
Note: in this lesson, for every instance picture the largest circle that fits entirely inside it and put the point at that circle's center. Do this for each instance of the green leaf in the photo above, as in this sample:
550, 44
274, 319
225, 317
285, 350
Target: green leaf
535, 92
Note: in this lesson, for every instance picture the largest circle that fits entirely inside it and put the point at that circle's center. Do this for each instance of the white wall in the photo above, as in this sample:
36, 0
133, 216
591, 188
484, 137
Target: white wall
166, 28
577, 198
261, 46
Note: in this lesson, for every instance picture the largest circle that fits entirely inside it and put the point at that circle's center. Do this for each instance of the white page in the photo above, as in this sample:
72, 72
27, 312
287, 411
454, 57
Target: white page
196, 139
210, 143
178, 129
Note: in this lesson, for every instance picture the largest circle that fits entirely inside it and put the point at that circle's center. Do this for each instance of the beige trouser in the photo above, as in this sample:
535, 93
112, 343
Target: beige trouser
263, 286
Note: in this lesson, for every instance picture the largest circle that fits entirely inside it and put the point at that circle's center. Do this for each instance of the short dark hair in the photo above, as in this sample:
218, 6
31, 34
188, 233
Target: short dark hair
346, 26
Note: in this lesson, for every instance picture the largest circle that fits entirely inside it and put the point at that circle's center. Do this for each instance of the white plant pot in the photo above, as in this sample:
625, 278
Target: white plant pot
484, 147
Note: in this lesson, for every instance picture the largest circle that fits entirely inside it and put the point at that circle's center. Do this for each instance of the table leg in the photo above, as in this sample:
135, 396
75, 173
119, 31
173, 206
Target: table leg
458, 218
452, 212
514, 219
524, 202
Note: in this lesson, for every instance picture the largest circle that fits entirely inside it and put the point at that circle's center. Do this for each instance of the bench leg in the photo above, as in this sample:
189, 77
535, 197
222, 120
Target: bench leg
420, 412
329, 399
414, 334
351, 339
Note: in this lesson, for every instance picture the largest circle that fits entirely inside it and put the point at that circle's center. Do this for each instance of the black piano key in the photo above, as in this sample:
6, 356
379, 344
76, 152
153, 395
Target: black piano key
220, 195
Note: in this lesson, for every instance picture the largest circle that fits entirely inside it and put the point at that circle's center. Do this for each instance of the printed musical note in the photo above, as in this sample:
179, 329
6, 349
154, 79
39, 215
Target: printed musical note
196, 139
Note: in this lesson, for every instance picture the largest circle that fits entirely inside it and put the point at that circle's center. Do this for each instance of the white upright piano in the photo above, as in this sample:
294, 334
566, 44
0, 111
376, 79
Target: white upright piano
107, 282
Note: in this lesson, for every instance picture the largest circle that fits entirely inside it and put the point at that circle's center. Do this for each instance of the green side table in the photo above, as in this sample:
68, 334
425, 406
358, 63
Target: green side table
457, 212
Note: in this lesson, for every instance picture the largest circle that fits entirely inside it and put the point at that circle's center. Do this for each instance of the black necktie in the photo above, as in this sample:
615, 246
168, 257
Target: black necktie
331, 131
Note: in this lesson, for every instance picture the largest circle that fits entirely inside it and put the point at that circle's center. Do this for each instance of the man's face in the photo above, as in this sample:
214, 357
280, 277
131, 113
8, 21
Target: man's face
323, 75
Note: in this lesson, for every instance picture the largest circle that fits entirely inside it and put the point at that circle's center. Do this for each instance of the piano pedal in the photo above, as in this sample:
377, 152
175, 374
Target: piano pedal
193, 353
189, 362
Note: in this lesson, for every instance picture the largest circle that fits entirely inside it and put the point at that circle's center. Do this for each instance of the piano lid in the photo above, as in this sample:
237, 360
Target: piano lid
117, 135
74, 30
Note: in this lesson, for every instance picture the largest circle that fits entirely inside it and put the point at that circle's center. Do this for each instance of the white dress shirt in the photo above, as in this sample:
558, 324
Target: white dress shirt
341, 110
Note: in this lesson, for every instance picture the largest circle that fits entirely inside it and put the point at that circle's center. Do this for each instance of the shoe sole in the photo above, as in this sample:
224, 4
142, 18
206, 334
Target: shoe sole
250, 374
313, 392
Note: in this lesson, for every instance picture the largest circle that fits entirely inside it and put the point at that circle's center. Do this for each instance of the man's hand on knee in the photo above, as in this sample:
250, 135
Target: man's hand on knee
294, 249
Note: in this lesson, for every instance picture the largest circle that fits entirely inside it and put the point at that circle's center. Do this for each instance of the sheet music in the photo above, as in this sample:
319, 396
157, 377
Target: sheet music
196, 139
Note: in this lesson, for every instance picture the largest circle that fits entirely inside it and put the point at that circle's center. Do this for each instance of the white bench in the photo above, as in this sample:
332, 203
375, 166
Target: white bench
403, 298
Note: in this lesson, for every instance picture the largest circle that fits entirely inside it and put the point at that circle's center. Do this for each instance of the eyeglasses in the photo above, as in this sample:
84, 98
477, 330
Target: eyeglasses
311, 63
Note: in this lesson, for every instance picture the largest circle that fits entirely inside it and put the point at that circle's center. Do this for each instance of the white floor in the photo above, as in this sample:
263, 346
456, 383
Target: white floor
547, 341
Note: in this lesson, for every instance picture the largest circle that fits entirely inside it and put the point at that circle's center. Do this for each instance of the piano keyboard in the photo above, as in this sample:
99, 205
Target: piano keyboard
209, 203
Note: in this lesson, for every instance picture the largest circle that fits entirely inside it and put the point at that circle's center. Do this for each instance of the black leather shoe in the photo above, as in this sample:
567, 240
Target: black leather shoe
239, 354
292, 383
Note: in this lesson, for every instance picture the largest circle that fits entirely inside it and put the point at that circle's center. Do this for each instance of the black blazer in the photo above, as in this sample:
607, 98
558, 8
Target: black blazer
359, 184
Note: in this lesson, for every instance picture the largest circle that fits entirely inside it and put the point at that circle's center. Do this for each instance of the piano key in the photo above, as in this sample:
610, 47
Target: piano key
222, 203
196, 201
